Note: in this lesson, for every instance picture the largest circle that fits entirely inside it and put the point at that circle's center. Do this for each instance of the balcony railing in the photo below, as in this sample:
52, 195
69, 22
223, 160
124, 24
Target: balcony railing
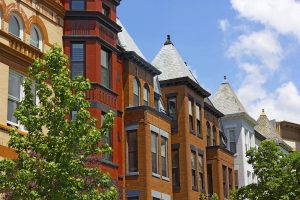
102, 94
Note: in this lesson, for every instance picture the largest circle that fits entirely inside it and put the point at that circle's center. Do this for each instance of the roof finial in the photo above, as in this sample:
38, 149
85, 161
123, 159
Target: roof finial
263, 112
168, 41
225, 79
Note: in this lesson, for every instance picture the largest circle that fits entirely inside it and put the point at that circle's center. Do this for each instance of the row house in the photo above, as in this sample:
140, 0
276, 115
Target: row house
147, 128
27, 30
199, 160
290, 133
238, 127
90, 41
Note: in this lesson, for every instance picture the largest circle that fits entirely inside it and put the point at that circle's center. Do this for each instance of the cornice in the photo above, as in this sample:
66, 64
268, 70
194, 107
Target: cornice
94, 15
241, 115
185, 81
133, 56
55, 5
150, 109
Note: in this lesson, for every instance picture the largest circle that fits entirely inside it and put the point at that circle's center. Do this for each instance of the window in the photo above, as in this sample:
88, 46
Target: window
154, 148
15, 25
106, 140
201, 172
132, 154
193, 165
198, 116
156, 103
77, 60
105, 68
146, 95
136, 92
154, 198
230, 179
164, 156
77, 5
236, 179
191, 116
208, 134
36, 37
232, 140
105, 10
214, 136
249, 177
175, 168
15, 95
209, 180
172, 108
225, 181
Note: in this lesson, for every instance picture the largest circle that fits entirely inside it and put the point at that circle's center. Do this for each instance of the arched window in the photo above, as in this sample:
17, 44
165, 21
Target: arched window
136, 92
208, 133
15, 25
146, 95
214, 136
36, 37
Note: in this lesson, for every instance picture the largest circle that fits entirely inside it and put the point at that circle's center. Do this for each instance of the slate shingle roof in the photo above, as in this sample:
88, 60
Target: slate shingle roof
170, 63
226, 100
126, 41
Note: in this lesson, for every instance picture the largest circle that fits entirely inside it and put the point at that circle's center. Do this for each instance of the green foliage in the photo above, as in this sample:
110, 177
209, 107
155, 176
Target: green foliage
214, 197
203, 196
278, 174
54, 165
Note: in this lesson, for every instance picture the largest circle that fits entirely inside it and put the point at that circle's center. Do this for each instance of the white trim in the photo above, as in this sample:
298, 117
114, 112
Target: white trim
165, 178
164, 133
165, 196
154, 129
156, 194
155, 175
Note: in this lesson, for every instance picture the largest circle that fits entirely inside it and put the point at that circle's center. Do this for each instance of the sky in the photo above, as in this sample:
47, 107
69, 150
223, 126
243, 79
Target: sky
255, 43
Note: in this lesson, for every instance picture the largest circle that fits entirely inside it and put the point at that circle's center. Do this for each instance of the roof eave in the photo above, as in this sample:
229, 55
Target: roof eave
186, 81
133, 56
213, 110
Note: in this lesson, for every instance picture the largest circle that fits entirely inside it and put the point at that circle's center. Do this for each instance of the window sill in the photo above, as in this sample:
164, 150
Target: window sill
192, 132
165, 178
200, 136
155, 175
109, 163
132, 173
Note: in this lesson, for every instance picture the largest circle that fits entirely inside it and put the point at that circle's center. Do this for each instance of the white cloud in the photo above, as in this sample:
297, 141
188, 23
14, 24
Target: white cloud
262, 45
224, 24
281, 15
282, 104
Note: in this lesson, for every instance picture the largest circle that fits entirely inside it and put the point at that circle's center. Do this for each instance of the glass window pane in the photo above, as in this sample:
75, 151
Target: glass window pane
77, 5
12, 106
104, 59
14, 26
14, 85
190, 108
77, 52
34, 37
198, 112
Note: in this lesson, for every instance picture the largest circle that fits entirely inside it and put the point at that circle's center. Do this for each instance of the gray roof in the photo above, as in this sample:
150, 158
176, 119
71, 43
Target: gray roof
171, 64
156, 85
226, 100
266, 128
126, 41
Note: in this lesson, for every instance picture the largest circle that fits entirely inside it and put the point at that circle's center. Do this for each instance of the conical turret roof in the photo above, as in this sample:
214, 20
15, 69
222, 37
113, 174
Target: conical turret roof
126, 41
170, 63
226, 100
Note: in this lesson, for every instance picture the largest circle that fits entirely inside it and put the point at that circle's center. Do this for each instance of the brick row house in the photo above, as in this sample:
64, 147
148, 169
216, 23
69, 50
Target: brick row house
167, 140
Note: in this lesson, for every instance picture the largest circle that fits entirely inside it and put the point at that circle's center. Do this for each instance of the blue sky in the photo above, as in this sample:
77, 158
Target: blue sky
254, 42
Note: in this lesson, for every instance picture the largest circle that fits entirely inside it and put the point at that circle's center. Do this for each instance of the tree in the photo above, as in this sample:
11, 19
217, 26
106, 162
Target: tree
214, 197
52, 157
278, 174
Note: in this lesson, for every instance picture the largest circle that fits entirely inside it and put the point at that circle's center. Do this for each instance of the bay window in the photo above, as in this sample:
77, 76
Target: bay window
132, 152
154, 150
77, 60
105, 68
198, 116
106, 139
136, 92
164, 156
191, 116
201, 172
193, 165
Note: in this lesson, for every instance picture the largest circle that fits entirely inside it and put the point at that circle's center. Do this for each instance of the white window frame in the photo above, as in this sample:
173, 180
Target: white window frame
20, 21
40, 35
